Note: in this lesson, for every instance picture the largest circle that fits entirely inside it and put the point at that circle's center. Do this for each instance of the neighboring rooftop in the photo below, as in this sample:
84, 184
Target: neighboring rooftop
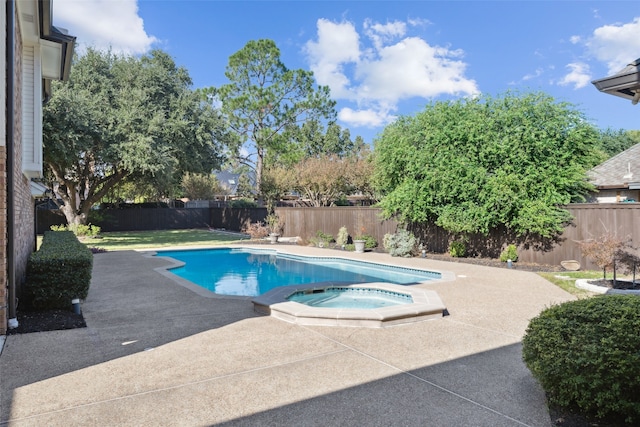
620, 171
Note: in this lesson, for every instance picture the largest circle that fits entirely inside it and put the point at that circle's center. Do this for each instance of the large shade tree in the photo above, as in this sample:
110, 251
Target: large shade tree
475, 164
264, 99
124, 118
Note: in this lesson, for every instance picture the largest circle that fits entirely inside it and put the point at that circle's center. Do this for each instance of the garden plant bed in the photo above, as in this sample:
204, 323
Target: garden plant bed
490, 262
566, 417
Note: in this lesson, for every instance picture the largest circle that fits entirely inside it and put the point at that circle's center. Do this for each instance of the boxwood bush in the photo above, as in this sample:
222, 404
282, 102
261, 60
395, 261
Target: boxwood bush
586, 355
59, 271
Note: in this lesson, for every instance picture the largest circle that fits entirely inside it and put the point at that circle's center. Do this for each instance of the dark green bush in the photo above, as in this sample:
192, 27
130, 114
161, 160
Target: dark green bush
243, 204
322, 239
59, 271
586, 354
370, 242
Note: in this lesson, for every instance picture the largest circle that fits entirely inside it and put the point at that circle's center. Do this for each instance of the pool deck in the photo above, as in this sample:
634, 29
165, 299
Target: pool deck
155, 353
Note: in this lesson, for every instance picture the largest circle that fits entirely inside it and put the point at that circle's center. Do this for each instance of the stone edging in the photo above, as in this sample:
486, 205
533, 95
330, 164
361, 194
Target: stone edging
584, 284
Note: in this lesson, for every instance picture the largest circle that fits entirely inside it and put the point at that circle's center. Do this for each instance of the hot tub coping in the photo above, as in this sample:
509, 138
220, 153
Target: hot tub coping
426, 305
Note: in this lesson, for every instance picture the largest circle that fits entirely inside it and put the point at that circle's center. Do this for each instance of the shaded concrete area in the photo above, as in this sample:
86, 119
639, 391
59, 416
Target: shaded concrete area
156, 353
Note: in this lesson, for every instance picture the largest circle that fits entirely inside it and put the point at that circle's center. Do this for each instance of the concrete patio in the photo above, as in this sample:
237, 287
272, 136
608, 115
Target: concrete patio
157, 353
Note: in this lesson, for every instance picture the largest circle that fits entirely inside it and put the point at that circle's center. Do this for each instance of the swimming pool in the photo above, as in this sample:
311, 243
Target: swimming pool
253, 272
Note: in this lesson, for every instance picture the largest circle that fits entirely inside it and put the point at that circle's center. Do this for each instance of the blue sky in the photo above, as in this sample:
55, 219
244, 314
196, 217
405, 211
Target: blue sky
383, 59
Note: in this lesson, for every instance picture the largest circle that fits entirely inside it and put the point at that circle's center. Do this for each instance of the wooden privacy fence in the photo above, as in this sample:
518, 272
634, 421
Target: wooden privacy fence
591, 221
306, 222
140, 219
144, 219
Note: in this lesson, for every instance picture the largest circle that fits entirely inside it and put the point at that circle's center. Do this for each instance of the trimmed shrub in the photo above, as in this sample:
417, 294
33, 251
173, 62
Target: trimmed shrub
59, 271
586, 354
400, 244
457, 249
80, 230
511, 253
322, 239
343, 236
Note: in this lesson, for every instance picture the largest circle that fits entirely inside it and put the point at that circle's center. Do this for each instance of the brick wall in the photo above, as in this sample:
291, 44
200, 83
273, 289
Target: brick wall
24, 231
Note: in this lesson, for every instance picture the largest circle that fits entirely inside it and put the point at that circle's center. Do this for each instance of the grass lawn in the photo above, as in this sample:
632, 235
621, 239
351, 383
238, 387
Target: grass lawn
567, 281
127, 240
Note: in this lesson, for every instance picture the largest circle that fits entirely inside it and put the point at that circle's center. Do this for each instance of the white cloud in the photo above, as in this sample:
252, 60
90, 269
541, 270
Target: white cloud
533, 75
579, 75
384, 33
104, 24
575, 39
394, 67
365, 117
338, 44
616, 45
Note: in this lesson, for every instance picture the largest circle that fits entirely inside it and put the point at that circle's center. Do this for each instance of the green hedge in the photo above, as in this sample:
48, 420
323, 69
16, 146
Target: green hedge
586, 354
59, 271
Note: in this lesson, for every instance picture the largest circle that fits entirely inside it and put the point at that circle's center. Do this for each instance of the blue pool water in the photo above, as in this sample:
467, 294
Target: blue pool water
254, 272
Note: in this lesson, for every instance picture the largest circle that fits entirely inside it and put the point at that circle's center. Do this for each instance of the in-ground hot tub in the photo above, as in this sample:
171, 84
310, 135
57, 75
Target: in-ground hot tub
401, 304
360, 298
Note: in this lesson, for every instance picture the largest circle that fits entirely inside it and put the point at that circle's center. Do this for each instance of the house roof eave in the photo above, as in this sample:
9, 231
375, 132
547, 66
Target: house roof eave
625, 83
62, 44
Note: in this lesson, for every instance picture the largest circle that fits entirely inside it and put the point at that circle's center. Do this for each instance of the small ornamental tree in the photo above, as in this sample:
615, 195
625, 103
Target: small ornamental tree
605, 251
321, 180
276, 182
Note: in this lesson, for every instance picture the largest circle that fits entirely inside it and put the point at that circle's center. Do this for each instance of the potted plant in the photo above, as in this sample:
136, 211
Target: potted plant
364, 241
359, 245
275, 227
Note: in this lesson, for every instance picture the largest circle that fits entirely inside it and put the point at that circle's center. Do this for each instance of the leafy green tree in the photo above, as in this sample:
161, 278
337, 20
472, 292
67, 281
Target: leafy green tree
264, 99
201, 186
276, 182
314, 141
613, 142
127, 118
472, 165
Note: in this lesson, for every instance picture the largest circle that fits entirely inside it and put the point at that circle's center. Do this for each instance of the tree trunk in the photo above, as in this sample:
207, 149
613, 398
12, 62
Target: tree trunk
73, 216
259, 163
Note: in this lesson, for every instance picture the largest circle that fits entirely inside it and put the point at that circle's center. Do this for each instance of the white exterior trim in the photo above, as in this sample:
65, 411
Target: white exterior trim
31, 111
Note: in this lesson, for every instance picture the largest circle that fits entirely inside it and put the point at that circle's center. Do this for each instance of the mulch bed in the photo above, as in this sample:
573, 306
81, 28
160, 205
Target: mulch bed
46, 320
619, 284
490, 262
